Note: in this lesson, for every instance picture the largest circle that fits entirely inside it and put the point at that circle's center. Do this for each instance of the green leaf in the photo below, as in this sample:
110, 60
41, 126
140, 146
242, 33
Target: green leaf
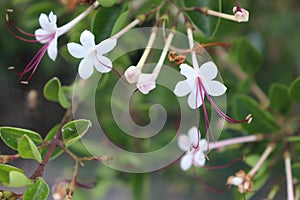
208, 24
296, 170
18, 179
139, 185
293, 139
51, 134
53, 91
246, 55
107, 3
11, 135
120, 22
279, 97
37, 191
74, 130
262, 120
27, 149
294, 90
104, 21
4, 172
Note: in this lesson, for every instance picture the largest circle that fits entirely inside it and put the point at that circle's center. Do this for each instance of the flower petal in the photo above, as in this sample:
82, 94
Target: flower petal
184, 142
188, 71
76, 50
132, 74
199, 159
87, 39
52, 49
193, 135
86, 68
182, 88
48, 24
42, 35
103, 64
43, 20
203, 145
192, 100
215, 88
186, 161
236, 181
208, 71
146, 83
106, 45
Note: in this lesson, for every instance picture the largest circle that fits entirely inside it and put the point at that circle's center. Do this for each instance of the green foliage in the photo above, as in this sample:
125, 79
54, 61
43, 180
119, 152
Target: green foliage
246, 55
139, 186
296, 170
53, 91
74, 130
11, 136
107, 3
121, 20
279, 98
27, 149
208, 24
37, 191
13, 177
262, 120
294, 90
51, 134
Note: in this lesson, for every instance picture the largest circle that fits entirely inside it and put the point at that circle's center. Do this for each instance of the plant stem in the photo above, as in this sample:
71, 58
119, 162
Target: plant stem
289, 178
127, 28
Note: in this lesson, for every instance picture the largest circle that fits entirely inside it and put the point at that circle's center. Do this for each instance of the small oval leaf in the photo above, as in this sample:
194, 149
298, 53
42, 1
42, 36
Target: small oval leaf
27, 149
18, 179
4, 172
37, 191
74, 130
294, 90
276, 94
51, 89
11, 135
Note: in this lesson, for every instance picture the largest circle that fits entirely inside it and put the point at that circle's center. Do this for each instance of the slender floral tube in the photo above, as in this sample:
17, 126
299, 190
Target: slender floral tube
289, 178
191, 44
127, 28
239, 140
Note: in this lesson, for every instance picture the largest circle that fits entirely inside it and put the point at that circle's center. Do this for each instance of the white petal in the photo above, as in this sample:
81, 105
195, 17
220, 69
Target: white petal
146, 83
192, 100
215, 88
237, 181
184, 143
193, 135
76, 50
132, 74
208, 71
199, 159
52, 18
186, 161
203, 145
86, 68
42, 35
103, 64
43, 20
106, 45
188, 71
87, 39
52, 49
182, 88
48, 24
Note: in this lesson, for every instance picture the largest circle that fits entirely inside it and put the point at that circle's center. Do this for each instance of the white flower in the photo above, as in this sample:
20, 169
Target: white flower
92, 54
132, 74
146, 82
193, 156
241, 15
199, 81
48, 33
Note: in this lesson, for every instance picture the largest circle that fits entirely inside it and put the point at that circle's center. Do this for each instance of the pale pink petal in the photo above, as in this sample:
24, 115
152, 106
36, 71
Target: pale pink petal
182, 88
52, 49
146, 83
42, 35
106, 45
87, 39
103, 64
241, 15
193, 135
184, 143
76, 50
215, 88
86, 67
203, 145
186, 161
208, 71
199, 159
192, 100
132, 74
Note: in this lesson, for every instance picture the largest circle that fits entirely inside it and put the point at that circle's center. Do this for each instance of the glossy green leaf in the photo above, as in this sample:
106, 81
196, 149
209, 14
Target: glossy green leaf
294, 90
27, 149
296, 170
11, 135
246, 55
207, 24
107, 3
74, 130
4, 172
51, 134
37, 191
262, 120
121, 20
279, 98
18, 179
53, 91
104, 21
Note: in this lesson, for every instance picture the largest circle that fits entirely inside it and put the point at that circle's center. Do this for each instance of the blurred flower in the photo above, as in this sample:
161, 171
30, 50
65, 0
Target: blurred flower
241, 14
132, 73
242, 181
193, 156
92, 54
